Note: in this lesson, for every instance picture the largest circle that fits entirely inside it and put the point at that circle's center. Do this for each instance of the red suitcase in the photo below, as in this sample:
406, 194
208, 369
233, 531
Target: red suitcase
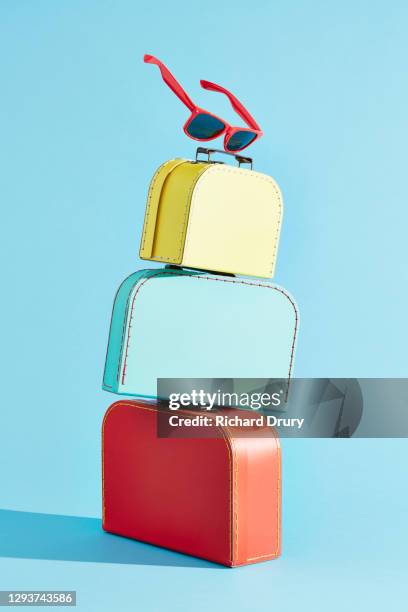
217, 497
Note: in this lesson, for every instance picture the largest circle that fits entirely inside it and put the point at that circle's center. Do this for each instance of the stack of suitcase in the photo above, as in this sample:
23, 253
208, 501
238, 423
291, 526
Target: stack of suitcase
205, 314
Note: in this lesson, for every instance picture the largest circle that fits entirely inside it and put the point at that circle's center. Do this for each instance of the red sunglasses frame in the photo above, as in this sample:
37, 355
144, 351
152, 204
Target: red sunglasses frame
228, 130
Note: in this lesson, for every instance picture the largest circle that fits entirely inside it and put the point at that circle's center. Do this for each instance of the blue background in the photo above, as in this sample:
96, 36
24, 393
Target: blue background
84, 123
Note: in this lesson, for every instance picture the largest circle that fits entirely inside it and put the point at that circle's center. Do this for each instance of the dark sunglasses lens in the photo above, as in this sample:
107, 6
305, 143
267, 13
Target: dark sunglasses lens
205, 126
239, 140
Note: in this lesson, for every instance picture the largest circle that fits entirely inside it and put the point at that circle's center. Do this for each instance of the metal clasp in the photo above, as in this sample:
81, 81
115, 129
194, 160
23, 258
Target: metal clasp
240, 158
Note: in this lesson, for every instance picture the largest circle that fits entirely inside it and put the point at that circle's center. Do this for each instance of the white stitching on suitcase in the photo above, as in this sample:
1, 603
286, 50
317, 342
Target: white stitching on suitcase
221, 280
261, 177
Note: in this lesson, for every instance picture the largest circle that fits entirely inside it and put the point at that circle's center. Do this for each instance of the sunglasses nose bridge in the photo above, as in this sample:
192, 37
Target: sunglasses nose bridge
228, 133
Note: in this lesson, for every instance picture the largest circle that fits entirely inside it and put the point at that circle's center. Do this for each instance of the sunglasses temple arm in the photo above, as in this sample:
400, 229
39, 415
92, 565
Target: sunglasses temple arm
169, 79
236, 104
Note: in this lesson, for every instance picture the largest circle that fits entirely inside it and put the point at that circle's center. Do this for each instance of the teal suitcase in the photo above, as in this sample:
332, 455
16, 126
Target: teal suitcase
177, 323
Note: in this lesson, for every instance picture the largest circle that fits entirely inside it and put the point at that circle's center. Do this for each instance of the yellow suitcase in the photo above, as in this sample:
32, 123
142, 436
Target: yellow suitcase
212, 216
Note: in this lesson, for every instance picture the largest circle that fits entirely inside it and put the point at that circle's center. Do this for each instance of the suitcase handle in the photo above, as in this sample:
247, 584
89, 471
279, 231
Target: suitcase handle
240, 159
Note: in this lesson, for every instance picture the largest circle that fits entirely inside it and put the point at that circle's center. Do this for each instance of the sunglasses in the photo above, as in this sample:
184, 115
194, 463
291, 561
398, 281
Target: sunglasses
202, 125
